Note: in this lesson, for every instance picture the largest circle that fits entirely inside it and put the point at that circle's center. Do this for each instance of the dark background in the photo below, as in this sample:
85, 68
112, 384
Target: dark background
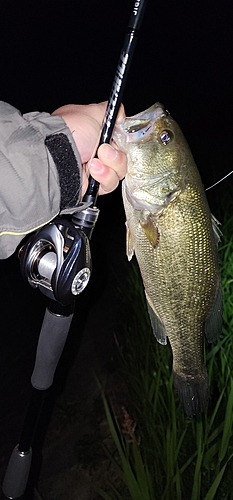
55, 52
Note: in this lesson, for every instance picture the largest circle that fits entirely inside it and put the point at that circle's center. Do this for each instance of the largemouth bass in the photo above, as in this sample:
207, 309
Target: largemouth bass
175, 239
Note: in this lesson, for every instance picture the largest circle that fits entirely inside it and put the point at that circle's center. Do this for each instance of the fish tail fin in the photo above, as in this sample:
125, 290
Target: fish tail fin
192, 391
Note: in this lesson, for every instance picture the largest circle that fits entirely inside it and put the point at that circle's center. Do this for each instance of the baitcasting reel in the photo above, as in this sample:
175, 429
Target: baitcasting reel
57, 260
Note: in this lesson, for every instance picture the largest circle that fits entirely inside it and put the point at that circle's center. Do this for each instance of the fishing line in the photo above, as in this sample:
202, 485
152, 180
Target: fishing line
118, 86
218, 182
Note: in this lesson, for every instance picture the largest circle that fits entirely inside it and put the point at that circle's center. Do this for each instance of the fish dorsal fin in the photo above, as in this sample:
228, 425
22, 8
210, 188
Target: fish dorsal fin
156, 323
216, 229
129, 243
150, 230
213, 323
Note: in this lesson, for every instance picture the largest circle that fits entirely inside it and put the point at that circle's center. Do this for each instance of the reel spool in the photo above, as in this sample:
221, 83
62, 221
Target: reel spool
57, 260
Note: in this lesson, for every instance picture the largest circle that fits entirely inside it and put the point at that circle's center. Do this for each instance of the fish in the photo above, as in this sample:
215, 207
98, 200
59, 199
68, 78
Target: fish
174, 237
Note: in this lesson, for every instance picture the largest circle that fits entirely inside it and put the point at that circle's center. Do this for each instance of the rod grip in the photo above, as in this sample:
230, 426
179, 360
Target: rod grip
53, 335
16, 477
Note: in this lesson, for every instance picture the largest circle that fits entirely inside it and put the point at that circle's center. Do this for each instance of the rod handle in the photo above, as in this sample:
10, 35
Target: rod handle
52, 339
16, 476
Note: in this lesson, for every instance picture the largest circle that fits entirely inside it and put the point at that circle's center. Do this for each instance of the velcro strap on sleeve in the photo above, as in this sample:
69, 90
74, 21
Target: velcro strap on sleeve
68, 167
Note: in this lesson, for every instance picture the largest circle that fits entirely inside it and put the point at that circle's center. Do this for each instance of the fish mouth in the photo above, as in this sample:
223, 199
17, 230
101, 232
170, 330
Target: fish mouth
137, 127
152, 113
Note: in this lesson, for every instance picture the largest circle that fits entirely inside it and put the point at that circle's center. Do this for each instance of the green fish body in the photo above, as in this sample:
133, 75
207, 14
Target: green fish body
174, 237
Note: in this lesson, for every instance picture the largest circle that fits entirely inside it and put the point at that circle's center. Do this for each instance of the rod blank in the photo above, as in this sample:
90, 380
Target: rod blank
118, 87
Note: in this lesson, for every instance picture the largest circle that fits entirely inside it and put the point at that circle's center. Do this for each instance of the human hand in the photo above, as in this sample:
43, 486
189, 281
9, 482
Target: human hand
85, 123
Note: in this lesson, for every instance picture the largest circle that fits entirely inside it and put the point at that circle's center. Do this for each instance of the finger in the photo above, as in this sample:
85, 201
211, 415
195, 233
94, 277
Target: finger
107, 177
97, 111
121, 113
113, 158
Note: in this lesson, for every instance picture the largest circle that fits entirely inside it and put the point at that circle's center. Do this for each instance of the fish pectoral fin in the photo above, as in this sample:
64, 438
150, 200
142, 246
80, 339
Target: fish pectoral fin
213, 323
151, 231
216, 229
157, 325
129, 243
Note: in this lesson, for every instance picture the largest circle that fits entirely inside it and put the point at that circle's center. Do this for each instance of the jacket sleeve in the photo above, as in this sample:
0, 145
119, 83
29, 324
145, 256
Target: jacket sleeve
40, 173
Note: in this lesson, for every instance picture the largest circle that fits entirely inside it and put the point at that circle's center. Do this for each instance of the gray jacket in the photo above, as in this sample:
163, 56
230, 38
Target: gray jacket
40, 173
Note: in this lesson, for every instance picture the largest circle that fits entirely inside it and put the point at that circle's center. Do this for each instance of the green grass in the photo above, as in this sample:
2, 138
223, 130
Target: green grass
164, 455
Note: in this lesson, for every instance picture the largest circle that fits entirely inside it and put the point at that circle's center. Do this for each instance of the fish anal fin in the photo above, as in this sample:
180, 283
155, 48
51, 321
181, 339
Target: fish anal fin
213, 323
151, 231
129, 243
157, 325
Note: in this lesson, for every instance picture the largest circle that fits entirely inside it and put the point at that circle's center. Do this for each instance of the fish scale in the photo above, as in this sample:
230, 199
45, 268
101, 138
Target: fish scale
170, 229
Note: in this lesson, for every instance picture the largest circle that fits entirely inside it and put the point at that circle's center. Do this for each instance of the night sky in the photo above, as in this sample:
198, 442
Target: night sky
54, 52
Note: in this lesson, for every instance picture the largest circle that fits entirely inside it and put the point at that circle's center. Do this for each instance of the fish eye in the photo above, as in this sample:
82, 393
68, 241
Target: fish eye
166, 137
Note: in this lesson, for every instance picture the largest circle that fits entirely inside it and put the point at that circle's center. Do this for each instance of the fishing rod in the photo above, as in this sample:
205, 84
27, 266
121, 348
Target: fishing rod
57, 260
118, 87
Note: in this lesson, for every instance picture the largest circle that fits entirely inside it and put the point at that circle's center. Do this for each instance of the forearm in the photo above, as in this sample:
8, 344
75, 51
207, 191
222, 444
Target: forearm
40, 173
